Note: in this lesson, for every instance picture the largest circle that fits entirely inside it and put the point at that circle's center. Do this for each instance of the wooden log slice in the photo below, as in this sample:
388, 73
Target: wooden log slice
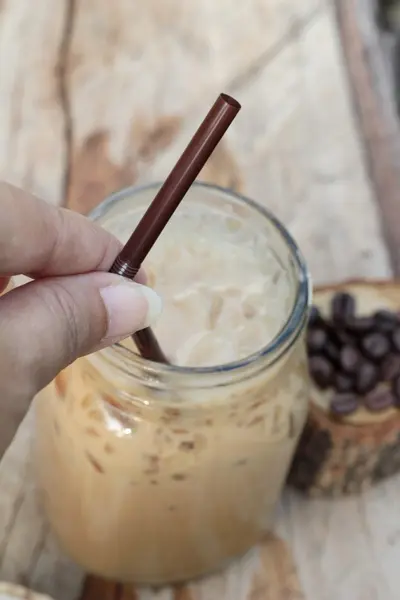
343, 457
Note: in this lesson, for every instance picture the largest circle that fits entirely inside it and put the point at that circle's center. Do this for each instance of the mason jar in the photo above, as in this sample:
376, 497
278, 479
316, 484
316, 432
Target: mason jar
156, 473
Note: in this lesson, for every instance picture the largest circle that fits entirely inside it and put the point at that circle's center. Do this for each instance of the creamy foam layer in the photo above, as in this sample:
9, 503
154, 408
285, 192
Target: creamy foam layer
225, 293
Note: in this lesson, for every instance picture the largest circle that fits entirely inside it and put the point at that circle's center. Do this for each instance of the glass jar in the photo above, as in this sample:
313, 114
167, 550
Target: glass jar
158, 473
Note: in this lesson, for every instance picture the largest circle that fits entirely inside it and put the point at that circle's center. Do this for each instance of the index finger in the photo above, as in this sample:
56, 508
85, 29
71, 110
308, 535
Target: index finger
39, 240
4, 281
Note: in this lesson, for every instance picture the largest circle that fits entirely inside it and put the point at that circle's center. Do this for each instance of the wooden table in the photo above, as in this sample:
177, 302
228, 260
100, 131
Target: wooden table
95, 95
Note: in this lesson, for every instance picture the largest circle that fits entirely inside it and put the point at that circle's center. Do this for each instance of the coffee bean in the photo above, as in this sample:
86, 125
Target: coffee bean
321, 371
386, 320
341, 337
375, 346
316, 340
390, 367
343, 404
396, 391
378, 400
396, 339
315, 318
343, 383
349, 359
332, 352
366, 377
360, 325
343, 307
332, 333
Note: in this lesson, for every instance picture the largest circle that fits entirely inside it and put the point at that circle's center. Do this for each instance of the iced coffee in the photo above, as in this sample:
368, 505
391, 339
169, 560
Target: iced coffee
159, 473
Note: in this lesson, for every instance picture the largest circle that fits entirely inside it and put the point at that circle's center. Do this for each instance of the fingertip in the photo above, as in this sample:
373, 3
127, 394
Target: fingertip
130, 307
4, 281
141, 277
154, 304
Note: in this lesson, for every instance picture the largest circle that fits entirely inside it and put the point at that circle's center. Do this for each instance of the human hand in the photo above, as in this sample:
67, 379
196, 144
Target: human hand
73, 306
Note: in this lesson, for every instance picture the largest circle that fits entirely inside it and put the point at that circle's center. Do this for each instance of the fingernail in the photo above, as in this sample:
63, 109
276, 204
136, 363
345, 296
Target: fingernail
130, 307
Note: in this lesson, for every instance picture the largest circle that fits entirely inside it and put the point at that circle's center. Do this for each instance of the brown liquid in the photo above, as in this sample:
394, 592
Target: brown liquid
154, 486
162, 491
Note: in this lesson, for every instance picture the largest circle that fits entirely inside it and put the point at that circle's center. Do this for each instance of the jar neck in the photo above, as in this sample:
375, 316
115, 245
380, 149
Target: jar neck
131, 367
260, 225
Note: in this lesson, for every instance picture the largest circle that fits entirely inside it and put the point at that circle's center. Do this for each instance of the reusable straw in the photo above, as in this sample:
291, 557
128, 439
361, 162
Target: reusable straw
167, 201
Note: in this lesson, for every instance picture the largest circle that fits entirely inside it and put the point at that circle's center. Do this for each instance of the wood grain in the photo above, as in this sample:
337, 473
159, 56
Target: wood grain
32, 142
97, 95
155, 86
301, 160
374, 99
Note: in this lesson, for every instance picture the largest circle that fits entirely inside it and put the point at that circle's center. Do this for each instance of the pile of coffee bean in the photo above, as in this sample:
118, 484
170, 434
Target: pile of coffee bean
356, 356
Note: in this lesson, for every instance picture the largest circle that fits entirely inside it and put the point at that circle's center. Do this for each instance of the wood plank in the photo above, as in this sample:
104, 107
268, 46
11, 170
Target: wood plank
28, 554
32, 141
158, 62
120, 121
33, 154
374, 100
286, 150
310, 159
303, 161
350, 549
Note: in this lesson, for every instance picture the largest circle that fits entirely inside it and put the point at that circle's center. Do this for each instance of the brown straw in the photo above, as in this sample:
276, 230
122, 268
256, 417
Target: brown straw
167, 200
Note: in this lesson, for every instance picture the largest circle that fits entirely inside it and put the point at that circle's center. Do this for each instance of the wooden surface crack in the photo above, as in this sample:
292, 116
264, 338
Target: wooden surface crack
297, 27
62, 73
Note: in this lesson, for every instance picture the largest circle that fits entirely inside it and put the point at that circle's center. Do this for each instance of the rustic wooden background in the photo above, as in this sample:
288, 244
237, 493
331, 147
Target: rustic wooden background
95, 95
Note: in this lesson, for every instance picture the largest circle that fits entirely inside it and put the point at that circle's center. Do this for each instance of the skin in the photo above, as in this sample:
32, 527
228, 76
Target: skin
67, 310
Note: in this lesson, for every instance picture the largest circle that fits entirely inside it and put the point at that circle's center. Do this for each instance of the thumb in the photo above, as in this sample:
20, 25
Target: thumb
48, 323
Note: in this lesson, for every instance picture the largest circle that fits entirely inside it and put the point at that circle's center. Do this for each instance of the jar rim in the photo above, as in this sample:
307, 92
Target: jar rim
289, 331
